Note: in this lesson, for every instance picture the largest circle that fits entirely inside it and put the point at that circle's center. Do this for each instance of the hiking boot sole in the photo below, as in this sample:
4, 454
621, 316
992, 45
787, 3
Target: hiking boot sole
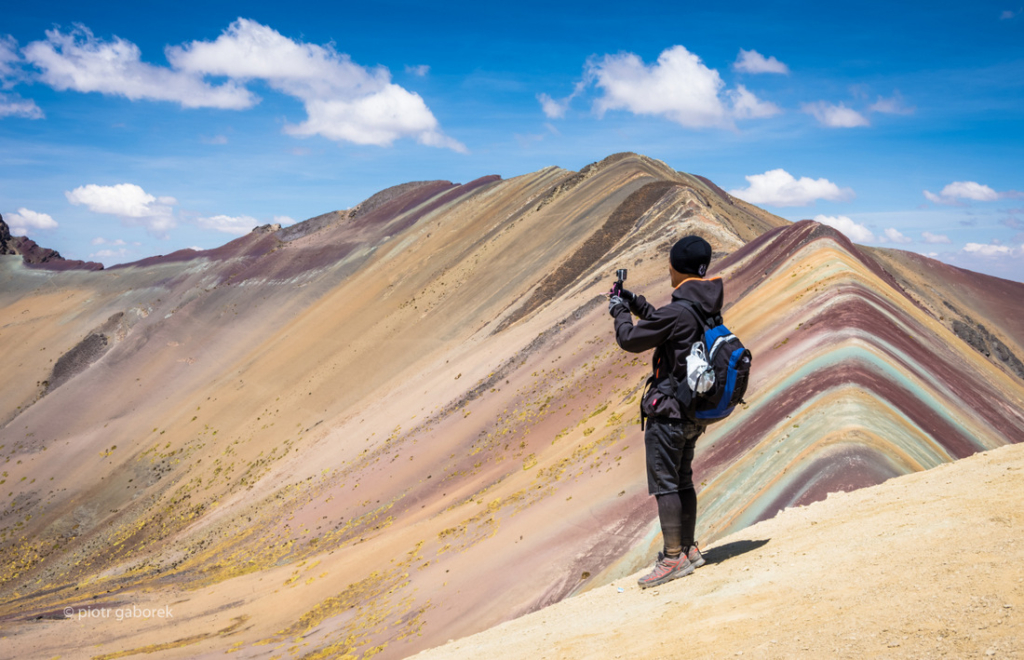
681, 572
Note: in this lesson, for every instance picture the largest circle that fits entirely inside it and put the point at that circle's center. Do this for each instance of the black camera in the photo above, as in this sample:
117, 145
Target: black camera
621, 275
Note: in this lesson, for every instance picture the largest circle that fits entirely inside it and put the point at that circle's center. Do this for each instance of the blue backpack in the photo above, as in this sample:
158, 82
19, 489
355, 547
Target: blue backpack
730, 361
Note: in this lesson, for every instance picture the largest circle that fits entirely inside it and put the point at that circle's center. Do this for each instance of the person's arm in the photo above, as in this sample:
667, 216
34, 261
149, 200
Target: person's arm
648, 332
637, 303
639, 306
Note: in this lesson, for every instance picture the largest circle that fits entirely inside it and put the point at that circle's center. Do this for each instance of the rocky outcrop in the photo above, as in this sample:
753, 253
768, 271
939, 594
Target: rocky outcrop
6, 240
35, 255
87, 351
979, 338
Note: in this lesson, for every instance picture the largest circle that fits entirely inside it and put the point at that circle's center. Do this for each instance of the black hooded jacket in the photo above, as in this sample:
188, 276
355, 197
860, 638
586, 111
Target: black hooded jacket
670, 330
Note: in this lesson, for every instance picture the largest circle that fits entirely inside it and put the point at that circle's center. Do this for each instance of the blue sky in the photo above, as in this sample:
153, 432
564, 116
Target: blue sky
132, 129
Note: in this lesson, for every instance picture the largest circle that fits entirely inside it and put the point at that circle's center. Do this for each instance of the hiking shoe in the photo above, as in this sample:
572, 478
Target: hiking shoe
665, 570
695, 557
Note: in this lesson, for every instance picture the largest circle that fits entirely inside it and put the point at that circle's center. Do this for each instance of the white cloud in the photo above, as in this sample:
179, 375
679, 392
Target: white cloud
109, 254
237, 225
419, 70
125, 199
552, 108
556, 108
377, 119
99, 240
1009, 14
893, 105
12, 105
853, 231
247, 50
780, 188
956, 190
678, 86
129, 202
10, 61
81, 62
11, 73
894, 235
747, 106
751, 61
835, 116
934, 238
24, 219
969, 190
989, 249
344, 101
216, 139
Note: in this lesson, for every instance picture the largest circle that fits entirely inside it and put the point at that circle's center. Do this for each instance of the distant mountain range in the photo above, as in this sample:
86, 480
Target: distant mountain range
390, 426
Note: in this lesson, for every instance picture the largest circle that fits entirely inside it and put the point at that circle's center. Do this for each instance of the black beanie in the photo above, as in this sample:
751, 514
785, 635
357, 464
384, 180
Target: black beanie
691, 255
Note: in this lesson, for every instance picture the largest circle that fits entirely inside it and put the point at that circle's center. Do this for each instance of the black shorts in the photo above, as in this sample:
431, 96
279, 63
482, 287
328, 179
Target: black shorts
669, 446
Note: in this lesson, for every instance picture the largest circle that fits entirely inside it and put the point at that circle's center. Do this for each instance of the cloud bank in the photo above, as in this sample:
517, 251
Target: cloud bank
343, 100
81, 62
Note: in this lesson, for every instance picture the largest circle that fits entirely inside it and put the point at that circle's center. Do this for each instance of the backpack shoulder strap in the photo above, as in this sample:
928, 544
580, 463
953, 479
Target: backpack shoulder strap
705, 322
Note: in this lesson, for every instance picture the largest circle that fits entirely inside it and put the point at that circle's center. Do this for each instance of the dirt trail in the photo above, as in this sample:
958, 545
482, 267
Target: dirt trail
929, 565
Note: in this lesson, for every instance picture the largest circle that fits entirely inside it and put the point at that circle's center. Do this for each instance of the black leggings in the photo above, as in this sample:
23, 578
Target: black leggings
678, 514
669, 447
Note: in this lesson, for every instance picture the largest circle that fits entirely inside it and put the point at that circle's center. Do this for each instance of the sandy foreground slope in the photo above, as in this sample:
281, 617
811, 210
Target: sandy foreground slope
927, 565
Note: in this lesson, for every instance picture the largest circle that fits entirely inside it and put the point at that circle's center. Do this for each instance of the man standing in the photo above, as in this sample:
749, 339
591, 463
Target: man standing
671, 433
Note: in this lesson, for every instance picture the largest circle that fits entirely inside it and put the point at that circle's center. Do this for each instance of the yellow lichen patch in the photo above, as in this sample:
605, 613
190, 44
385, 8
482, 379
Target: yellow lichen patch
364, 611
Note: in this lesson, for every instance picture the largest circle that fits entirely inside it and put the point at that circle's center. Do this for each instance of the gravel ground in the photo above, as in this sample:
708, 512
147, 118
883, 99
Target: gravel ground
923, 566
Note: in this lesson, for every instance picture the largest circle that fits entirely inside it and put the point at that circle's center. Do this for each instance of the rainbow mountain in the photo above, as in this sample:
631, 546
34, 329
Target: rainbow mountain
406, 422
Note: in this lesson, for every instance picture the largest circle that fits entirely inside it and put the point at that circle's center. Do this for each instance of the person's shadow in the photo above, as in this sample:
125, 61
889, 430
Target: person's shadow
720, 553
